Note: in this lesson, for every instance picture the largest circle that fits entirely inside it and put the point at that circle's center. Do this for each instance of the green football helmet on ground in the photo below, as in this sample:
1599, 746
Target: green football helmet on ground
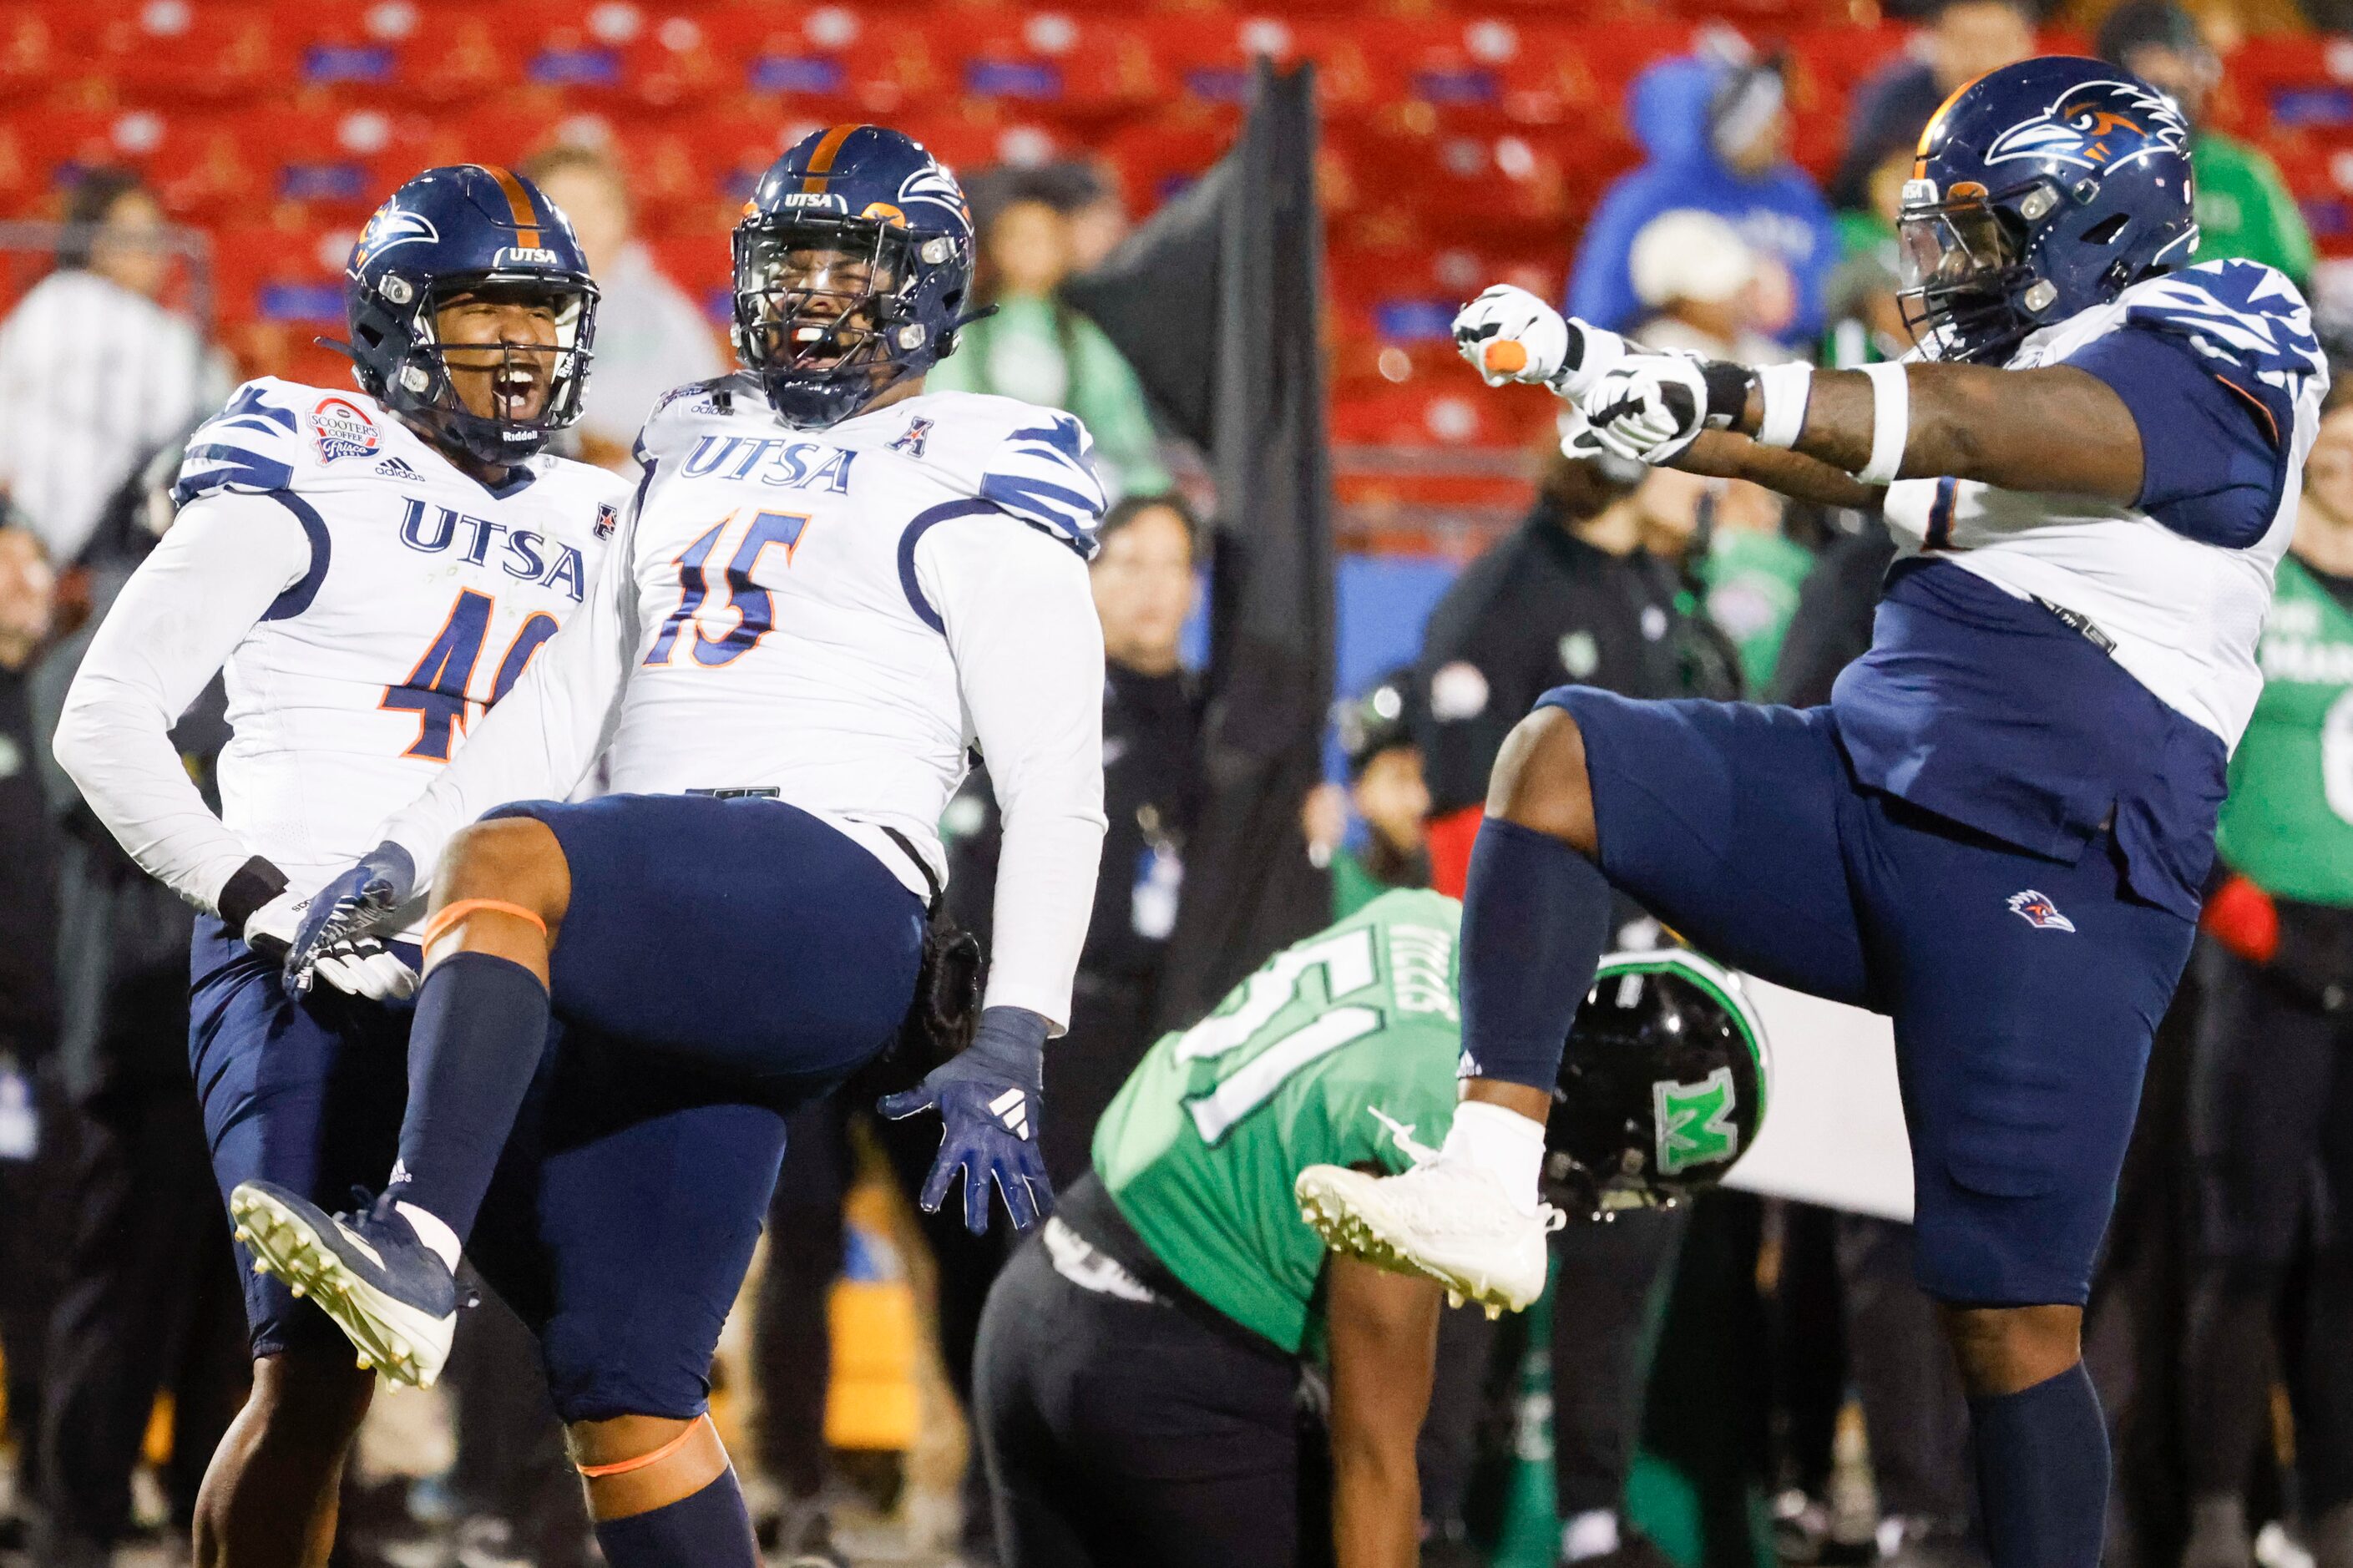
1662, 1086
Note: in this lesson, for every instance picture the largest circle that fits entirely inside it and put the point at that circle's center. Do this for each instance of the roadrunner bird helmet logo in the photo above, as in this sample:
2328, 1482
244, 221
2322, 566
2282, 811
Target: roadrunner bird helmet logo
2100, 125
393, 225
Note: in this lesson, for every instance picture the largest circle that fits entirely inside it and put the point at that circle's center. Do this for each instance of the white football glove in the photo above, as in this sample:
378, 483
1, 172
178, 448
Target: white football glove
1576, 437
360, 965
1508, 334
1650, 406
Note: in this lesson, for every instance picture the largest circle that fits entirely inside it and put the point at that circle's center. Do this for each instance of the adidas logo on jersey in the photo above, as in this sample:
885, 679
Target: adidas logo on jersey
1012, 1109
394, 469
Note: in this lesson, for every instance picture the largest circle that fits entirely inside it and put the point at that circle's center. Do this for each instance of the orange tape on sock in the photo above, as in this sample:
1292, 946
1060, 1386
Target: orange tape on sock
623, 1466
449, 915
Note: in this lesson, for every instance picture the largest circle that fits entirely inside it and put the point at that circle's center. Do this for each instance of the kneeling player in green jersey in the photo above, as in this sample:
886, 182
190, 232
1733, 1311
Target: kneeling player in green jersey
1140, 1361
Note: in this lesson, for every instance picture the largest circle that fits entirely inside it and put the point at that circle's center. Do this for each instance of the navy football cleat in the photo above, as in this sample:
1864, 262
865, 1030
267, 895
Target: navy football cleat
390, 1293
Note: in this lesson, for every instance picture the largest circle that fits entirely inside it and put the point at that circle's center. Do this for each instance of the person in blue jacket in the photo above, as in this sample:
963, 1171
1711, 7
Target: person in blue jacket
1717, 135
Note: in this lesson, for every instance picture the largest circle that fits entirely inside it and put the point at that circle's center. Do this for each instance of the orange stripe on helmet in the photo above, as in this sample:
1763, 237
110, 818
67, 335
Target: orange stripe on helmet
1928, 132
518, 204
821, 157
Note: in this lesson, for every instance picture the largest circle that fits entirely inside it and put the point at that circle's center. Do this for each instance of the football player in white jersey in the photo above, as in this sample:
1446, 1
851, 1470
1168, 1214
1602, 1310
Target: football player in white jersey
1998, 829
831, 588
369, 570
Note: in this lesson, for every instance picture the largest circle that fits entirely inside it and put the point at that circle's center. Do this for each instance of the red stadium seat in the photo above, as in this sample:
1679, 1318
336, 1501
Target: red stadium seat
359, 48
1463, 188
286, 277
707, 163
1157, 157
38, 49
981, 134
700, 265
1053, 65
673, 189
829, 62
1764, 14
2292, 83
1466, 414
209, 168
38, 152
180, 52
1210, 56
464, 57
618, 54
1524, 71
1827, 63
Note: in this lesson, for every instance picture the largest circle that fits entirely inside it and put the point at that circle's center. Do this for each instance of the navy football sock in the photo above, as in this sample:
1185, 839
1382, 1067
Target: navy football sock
710, 1529
1535, 920
481, 1024
2042, 1473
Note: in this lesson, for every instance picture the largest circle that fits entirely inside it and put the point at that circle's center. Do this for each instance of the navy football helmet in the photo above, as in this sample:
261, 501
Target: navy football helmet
853, 267
2040, 189
1662, 1084
468, 230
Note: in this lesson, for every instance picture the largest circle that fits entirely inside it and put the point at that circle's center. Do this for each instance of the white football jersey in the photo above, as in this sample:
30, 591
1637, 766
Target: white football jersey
839, 617
2181, 616
777, 574
366, 602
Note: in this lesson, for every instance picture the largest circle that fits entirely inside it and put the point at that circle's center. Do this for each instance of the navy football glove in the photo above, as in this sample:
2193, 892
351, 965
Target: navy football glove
354, 905
988, 1095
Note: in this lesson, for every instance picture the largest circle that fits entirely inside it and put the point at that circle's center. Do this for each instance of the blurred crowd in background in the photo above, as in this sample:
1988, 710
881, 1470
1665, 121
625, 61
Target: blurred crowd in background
1731, 1383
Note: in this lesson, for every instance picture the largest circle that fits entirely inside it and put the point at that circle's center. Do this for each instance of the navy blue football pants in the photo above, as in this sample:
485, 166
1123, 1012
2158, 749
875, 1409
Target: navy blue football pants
723, 962
2025, 991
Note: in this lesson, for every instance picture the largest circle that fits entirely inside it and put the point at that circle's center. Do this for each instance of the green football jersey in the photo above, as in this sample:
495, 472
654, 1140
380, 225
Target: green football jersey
2288, 822
1753, 581
1321, 1058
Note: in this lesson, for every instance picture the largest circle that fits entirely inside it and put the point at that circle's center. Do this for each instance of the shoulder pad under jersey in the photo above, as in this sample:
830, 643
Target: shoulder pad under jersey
1036, 463
2237, 313
684, 410
262, 438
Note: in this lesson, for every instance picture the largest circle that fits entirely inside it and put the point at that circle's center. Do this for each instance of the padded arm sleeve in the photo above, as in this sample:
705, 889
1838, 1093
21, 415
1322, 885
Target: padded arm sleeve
230, 559
2213, 439
1020, 622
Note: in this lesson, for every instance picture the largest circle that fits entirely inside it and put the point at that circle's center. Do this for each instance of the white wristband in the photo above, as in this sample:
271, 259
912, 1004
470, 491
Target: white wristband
1891, 422
1783, 389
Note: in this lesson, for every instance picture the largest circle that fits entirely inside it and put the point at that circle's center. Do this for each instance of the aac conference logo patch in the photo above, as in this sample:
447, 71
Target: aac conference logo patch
342, 429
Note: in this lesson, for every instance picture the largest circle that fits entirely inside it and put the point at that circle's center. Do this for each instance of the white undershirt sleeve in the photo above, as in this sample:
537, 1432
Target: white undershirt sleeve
1020, 623
181, 614
545, 732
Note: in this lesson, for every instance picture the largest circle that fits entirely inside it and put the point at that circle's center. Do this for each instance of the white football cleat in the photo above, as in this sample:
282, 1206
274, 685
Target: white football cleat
1446, 1219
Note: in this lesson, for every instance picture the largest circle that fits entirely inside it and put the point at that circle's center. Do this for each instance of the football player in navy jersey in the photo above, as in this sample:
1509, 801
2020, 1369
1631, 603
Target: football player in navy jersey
1997, 829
